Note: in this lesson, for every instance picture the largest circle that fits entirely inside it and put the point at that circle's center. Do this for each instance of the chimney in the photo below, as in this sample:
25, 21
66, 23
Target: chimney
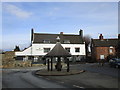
32, 31
101, 37
119, 36
81, 33
61, 32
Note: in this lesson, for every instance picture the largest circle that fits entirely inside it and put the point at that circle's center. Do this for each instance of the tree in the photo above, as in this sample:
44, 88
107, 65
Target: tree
118, 48
87, 40
2, 51
17, 48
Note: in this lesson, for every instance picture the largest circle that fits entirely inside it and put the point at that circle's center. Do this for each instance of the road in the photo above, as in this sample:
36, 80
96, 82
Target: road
95, 67
94, 77
25, 79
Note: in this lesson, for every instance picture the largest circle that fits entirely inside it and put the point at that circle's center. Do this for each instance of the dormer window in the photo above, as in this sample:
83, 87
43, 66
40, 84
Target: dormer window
66, 41
46, 41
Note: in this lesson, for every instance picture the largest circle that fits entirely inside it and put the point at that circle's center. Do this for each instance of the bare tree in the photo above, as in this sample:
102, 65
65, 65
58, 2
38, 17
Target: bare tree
87, 40
17, 48
118, 47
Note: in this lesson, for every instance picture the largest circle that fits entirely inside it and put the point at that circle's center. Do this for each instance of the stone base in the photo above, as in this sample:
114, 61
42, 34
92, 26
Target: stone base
58, 73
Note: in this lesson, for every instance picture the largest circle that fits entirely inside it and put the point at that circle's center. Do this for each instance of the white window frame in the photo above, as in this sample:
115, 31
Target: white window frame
111, 50
102, 56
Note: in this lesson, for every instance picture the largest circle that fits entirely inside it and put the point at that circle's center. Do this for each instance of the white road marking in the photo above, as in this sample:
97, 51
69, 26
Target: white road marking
61, 82
43, 87
47, 78
39, 76
77, 86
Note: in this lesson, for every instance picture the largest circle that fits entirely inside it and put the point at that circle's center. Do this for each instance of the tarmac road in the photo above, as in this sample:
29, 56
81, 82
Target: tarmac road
94, 77
95, 67
25, 79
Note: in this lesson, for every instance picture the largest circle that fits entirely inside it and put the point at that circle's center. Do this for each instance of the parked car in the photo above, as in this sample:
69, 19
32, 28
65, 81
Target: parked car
114, 62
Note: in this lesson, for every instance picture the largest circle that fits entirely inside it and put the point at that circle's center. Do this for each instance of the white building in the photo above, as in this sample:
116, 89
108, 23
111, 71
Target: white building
42, 43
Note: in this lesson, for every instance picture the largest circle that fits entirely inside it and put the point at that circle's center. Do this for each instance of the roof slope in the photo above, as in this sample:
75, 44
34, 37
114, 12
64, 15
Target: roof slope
58, 51
74, 39
105, 42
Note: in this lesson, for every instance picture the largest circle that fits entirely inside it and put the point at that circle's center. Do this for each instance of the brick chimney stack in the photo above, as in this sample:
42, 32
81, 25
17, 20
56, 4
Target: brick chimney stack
119, 36
32, 32
61, 32
101, 37
81, 33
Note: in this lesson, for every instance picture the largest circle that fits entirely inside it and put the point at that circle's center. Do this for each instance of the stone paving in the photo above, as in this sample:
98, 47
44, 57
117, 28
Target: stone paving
58, 73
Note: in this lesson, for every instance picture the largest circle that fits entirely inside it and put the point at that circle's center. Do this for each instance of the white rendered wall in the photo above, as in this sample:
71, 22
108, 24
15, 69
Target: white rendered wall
24, 53
38, 49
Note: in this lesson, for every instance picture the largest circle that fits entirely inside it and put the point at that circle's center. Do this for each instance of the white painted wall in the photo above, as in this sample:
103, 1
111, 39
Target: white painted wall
38, 49
24, 53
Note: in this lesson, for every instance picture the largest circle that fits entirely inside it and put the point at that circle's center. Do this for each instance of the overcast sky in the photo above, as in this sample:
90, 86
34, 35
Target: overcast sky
55, 17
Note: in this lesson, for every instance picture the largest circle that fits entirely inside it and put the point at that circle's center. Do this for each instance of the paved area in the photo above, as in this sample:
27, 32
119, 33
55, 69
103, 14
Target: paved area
58, 73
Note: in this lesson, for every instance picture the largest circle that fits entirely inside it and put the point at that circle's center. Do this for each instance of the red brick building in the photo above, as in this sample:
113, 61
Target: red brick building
103, 48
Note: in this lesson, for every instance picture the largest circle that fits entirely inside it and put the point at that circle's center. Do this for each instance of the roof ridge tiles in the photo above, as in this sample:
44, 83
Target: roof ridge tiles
56, 34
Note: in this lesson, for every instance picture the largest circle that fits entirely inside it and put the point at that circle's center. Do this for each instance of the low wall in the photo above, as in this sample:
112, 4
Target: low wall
22, 63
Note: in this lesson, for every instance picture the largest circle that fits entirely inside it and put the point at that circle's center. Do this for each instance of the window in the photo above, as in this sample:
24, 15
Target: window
102, 57
30, 57
110, 50
46, 50
77, 49
25, 58
46, 41
35, 59
68, 49
66, 41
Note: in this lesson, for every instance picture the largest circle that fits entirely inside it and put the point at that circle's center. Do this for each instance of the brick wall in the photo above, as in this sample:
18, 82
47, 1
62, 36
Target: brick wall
8, 59
103, 51
22, 63
9, 55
